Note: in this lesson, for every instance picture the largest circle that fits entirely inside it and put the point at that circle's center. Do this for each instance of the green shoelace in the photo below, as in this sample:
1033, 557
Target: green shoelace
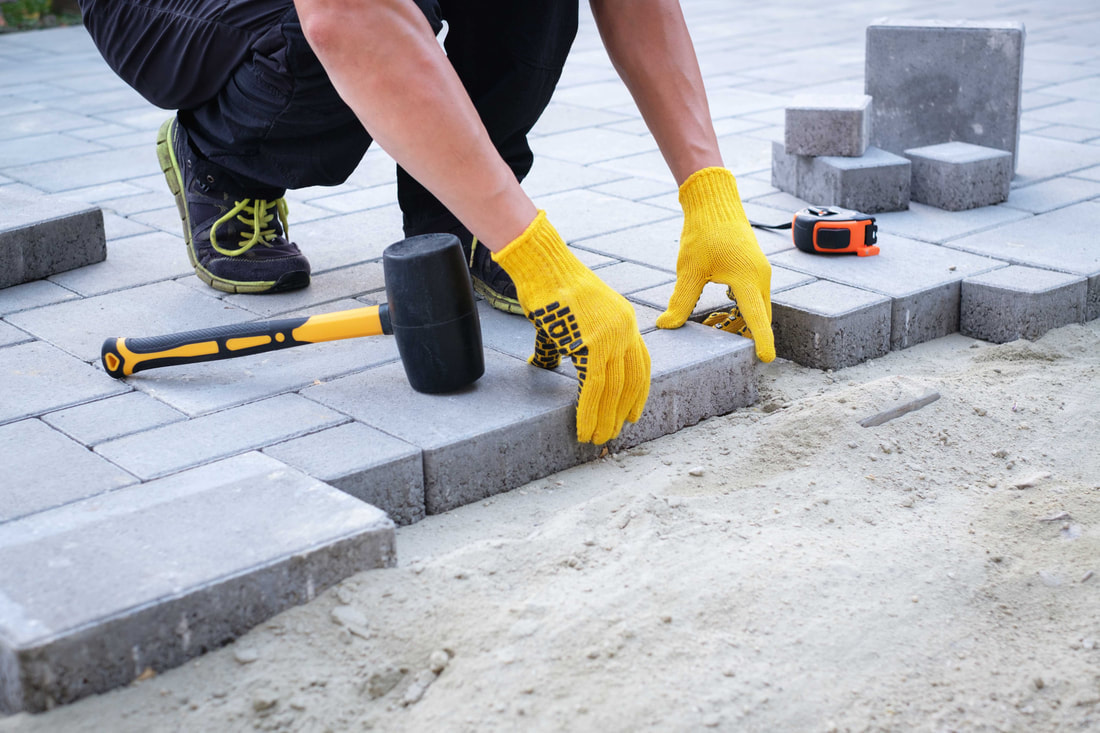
255, 214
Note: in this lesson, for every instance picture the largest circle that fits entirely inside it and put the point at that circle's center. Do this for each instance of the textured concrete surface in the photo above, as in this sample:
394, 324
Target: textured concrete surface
42, 236
873, 182
1020, 303
823, 124
938, 81
958, 176
826, 325
319, 410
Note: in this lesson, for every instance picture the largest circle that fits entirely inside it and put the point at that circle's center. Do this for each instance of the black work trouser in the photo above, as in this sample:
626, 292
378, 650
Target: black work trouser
255, 100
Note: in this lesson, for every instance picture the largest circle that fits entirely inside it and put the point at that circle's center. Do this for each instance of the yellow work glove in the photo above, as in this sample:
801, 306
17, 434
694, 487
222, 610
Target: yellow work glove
718, 245
577, 315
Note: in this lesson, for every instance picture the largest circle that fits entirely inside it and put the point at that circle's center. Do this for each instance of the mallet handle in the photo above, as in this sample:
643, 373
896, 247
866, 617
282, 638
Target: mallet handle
124, 356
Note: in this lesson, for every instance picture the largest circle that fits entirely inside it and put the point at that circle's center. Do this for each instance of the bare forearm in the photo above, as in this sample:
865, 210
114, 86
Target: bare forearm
387, 66
649, 44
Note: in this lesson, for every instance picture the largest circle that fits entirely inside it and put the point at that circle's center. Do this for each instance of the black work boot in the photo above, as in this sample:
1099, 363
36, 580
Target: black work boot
489, 279
236, 240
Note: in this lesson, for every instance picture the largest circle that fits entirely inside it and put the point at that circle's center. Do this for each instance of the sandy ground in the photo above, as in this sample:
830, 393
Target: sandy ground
780, 568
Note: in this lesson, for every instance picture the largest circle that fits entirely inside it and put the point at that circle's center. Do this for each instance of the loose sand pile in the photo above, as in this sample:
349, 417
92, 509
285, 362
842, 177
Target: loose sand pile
779, 568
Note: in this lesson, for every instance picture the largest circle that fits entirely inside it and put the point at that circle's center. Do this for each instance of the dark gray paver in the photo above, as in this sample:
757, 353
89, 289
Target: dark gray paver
28, 445
942, 81
41, 236
1063, 240
826, 325
368, 464
114, 417
514, 425
174, 447
873, 182
922, 279
1020, 302
40, 378
828, 124
97, 591
957, 176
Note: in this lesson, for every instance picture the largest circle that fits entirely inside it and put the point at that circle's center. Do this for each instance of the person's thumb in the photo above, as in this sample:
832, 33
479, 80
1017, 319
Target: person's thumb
684, 297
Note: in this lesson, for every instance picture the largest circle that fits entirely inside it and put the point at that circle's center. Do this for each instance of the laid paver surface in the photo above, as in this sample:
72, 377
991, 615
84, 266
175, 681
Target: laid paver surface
87, 454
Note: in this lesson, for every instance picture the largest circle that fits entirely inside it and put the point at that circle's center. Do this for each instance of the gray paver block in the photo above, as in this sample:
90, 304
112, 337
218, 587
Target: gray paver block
97, 591
828, 124
45, 469
42, 236
514, 425
714, 297
174, 447
39, 378
922, 280
114, 417
936, 81
873, 182
958, 176
368, 464
1020, 302
1063, 240
826, 325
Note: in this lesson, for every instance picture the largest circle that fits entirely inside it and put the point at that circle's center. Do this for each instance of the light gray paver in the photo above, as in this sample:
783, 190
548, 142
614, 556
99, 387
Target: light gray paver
714, 296
11, 335
97, 591
826, 124
929, 224
178, 446
937, 81
29, 445
368, 464
114, 417
40, 378
957, 176
1056, 193
41, 236
873, 182
1020, 302
826, 325
133, 261
922, 279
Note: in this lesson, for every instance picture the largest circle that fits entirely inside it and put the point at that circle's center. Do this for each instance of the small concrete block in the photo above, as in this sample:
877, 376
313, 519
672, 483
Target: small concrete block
366, 463
958, 176
149, 576
873, 182
826, 325
114, 417
39, 378
44, 235
826, 124
937, 81
1020, 302
44, 469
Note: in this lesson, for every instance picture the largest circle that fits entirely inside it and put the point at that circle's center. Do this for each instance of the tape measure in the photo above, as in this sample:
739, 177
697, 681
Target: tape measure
831, 231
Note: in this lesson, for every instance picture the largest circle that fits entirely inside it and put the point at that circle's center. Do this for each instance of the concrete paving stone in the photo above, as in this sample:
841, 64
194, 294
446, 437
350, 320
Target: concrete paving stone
96, 422
601, 95
1082, 88
32, 295
936, 81
828, 125
1090, 174
174, 447
165, 218
1041, 158
88, 169
37, 122
873, 182
1033, 100
10, 335
591, 145
1054, 194
138, 204
1080, 112
325, 287
655, 244
349, 239
106, 192
1038, 72
150, 576
635, 189
1020, 302
738, 102
13, 105
42, 236
591, 260
1062, 240
52, 147
131, 262
45, 469
670, 201
549, 176
826, 325
359, 199
714, 297
627, 277
80, 326
562, 117
578, 215
1067, 132
473, 447
119, 227
366, 463
957, 176
930, 224
39, 378
923, 280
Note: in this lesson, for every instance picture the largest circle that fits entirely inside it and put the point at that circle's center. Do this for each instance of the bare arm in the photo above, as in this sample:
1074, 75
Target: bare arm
650, 47
385, 63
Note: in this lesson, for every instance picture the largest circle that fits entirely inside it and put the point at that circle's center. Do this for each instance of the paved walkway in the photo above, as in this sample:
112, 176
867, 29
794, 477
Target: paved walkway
132, 509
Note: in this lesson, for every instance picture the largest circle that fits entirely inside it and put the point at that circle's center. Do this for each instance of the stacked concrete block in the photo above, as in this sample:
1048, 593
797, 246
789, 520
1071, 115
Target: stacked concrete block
956, 176
873, 182
43, 235
826, 325
828, 125
1020, 302
937, 81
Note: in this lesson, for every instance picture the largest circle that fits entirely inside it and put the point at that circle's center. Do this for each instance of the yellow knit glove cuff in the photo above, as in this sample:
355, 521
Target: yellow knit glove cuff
717, 244
576, 314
